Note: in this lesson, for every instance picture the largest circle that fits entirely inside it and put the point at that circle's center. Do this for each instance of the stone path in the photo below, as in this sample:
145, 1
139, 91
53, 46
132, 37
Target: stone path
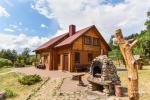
49, 90
67, 89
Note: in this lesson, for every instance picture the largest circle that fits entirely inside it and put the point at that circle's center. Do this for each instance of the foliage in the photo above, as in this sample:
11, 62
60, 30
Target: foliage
9, 54
30, 79
5, 62
19, 64
9, 93
18, 60
33, 58
143, 46
26, 55
115, 54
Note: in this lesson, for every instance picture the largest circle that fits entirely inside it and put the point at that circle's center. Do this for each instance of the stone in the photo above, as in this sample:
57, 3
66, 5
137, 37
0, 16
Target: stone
2, 95
102, 70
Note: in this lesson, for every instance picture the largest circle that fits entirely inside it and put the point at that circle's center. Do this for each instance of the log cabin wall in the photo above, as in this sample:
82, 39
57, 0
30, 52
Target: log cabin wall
55, 56
85, 49
45, 58
59, 57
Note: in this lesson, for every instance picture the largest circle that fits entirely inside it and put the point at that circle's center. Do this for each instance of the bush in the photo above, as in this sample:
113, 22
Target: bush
19, 64
9, 93
30, 79
5, 62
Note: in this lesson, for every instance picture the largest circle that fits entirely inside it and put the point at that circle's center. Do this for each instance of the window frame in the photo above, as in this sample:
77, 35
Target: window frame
85, 41
96, 39
77, 57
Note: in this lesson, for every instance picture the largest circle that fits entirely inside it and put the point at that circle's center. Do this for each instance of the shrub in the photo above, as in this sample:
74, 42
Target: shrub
5, 62
30, 79
19, 64
9, 93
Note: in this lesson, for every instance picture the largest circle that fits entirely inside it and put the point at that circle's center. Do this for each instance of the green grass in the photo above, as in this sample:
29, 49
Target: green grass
3, 70
10, 81
144, 81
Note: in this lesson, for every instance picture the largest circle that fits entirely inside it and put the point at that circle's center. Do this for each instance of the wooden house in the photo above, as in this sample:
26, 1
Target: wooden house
72, 49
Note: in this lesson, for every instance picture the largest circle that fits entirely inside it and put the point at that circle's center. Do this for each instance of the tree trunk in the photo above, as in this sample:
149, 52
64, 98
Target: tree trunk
126, 50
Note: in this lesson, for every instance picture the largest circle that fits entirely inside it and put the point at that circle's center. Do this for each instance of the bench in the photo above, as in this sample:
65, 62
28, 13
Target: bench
78, 76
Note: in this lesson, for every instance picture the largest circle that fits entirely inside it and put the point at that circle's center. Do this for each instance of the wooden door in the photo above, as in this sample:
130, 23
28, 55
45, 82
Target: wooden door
65, 62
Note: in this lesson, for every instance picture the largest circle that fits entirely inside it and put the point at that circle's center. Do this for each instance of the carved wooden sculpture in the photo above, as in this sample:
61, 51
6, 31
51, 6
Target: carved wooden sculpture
126, 49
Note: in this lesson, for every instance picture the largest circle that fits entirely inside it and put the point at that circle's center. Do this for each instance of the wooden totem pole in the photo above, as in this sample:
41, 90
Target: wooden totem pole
126, 49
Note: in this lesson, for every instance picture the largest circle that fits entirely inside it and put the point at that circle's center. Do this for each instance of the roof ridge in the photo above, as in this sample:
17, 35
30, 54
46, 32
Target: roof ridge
57, 38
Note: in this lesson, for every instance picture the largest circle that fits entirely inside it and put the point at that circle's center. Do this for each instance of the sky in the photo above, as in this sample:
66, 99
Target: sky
30, 23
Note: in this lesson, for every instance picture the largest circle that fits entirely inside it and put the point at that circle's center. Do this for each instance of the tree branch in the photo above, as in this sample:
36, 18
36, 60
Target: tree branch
133, 43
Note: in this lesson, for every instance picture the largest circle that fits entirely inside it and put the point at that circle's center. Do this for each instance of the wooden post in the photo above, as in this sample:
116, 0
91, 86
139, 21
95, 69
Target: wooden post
126, 50
118, 91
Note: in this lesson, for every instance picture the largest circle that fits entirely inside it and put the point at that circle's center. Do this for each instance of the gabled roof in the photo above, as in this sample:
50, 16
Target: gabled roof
51, 42
70, 39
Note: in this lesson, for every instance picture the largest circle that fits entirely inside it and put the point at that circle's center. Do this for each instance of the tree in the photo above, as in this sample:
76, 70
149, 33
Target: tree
26, 55
9, 54
143, 45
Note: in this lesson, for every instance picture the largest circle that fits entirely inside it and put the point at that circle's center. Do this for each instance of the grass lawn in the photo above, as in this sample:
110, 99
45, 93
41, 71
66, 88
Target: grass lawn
10, 81
3, 70
144, 82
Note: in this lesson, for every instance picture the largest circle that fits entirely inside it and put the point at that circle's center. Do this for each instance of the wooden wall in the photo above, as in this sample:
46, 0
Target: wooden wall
77, 46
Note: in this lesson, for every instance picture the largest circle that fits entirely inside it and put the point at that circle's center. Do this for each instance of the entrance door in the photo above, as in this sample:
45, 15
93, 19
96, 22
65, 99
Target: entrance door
65, 62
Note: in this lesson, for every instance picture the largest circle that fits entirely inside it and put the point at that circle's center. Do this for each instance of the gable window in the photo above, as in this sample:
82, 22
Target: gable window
77, 57
45, 58
90, 56
87, 40
95, 41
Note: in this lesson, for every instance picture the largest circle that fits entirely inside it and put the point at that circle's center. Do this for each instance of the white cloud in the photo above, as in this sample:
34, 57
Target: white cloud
20, 41
44, 26
3, 12
129, 15
8, 30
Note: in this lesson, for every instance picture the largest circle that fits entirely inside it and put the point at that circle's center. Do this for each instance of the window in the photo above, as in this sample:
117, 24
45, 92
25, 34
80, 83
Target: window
77, 57
87, 40
95, 42
45, 59
90, 56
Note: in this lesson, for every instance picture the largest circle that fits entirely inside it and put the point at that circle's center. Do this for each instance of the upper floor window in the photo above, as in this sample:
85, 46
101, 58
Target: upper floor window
95, 41
87, 40
90, 56
77, 57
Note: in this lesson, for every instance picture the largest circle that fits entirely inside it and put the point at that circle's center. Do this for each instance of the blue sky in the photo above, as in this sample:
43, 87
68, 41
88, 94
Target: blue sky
27, 20
29, 23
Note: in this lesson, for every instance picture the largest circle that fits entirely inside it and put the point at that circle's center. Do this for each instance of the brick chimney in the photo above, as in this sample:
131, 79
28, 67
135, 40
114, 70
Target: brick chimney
72, 30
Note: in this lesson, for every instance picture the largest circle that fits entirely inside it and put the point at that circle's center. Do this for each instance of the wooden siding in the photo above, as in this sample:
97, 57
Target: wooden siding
77, 46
